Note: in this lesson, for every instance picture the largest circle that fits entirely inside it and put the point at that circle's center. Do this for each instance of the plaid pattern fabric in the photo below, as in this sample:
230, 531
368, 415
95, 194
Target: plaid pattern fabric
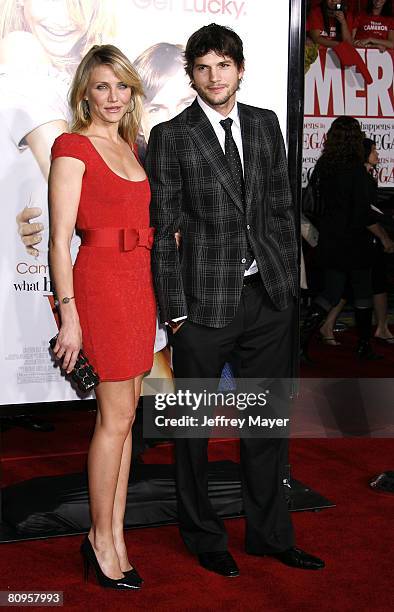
193, 190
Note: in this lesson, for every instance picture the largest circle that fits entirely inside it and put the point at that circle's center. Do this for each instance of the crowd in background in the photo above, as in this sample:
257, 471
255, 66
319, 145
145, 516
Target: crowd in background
361, 23
342, 221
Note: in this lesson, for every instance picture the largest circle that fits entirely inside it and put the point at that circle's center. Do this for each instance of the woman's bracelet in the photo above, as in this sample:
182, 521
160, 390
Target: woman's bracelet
64, 300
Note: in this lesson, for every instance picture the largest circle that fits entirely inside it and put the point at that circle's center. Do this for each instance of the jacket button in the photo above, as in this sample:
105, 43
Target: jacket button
243, 260
248, 227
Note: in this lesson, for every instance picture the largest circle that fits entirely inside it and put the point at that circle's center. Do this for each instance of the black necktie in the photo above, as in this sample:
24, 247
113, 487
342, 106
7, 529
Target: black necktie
232, 155
234, 161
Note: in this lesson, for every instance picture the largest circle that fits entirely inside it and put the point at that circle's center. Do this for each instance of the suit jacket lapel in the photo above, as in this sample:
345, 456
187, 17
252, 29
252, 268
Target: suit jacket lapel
205, 138
252, 146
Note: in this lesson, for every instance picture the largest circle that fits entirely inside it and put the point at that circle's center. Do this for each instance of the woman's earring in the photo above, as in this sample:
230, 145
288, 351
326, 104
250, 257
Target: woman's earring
85, 109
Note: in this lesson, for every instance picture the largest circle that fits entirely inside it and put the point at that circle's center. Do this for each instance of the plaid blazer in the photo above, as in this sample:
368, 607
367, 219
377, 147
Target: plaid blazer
193, 190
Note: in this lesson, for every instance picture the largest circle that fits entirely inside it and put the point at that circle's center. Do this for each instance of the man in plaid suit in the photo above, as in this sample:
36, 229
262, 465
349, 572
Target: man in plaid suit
218, 174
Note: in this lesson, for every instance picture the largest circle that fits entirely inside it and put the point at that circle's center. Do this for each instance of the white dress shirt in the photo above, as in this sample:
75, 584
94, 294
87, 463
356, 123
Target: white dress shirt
215, 118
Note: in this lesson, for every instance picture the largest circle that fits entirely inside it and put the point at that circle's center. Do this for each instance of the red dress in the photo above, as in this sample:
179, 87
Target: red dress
112, 275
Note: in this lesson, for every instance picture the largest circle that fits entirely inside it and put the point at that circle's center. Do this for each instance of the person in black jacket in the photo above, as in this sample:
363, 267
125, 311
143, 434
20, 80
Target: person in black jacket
379, 264
218, 174
346, 230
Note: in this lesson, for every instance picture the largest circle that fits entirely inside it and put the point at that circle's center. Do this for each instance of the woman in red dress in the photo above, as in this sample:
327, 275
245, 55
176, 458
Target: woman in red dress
98, 186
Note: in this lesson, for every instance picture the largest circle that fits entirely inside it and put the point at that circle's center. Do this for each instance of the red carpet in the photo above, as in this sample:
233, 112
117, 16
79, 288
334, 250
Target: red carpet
355, 539
341, 361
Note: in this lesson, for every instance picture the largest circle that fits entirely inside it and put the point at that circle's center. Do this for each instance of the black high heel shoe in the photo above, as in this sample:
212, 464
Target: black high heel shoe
132, 573
89, 558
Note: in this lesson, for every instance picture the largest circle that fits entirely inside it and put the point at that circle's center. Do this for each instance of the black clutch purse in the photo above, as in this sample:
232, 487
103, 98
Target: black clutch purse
83, 373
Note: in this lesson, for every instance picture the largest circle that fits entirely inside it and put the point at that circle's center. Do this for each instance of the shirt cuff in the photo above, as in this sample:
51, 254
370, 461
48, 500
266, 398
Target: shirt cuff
177, 320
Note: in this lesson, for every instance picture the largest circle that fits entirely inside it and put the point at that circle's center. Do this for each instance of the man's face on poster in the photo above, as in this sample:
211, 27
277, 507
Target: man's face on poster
169, 101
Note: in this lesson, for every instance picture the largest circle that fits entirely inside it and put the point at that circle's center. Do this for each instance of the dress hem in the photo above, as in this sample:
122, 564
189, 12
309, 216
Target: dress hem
145, 371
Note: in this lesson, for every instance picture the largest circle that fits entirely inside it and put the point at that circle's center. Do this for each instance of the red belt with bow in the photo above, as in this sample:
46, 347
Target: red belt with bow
125, 239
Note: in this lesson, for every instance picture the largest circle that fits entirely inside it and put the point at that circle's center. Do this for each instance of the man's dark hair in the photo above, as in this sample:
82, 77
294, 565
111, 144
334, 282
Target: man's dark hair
157, 64
217, 38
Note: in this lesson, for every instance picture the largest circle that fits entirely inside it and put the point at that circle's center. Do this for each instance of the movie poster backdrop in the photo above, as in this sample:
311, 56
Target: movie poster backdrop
41, 43
331, 90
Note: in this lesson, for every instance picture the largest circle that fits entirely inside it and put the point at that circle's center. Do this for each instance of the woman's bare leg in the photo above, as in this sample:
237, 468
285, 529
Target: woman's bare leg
116, 408
327, 329
380, 308
121, 492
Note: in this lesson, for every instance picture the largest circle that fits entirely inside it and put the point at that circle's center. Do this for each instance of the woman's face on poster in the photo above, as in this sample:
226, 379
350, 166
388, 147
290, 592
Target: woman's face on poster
52, 24
171, 99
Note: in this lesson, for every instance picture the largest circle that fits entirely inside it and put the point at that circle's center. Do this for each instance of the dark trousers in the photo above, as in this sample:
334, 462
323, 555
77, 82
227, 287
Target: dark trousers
257, 343
336, 281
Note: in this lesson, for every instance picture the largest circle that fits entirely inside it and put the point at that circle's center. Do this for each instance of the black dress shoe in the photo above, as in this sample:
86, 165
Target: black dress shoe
132, 573
219, 562
294, 557
365, 352
120, 584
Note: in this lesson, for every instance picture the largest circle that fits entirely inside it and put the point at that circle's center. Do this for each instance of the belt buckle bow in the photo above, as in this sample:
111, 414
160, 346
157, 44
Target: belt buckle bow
141, 237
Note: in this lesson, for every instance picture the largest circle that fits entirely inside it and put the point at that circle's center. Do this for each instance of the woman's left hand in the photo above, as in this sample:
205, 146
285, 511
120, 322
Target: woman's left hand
68, 345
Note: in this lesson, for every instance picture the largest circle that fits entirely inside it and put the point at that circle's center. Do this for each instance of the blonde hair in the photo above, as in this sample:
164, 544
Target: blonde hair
96, 15
122, 67
11, 17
